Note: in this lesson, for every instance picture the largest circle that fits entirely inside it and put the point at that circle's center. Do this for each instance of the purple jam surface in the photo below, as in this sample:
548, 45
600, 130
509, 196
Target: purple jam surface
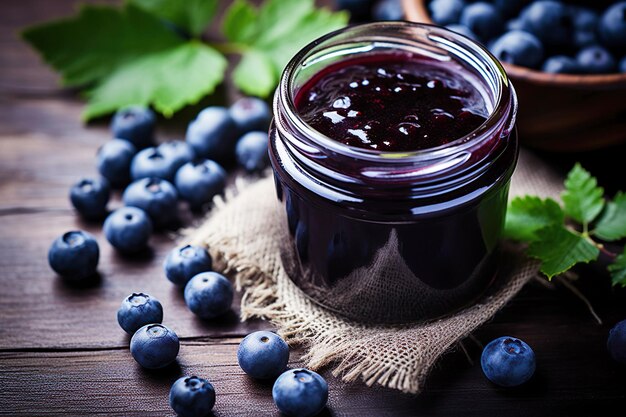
391, 102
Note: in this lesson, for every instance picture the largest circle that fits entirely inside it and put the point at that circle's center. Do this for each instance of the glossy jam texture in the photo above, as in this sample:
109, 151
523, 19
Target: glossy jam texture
391, 102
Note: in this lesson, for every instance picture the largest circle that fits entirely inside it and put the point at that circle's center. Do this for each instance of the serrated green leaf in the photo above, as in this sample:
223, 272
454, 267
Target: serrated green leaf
618, 270
190, 15
276, 30
612, 223
255, 74
582, 199
559, 249
529, 214
167, 80
90, 46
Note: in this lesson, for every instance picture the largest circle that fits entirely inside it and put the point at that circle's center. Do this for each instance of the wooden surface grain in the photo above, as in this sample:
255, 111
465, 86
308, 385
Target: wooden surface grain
62, 352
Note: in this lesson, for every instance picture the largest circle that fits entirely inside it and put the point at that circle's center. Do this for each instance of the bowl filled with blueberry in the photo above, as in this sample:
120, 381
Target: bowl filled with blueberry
567, 60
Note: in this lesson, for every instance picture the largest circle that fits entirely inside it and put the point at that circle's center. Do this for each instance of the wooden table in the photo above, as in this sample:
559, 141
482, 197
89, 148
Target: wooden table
62, 352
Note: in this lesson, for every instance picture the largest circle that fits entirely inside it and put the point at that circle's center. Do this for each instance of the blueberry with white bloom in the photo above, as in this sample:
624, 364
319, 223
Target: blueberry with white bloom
90, 197
74, 255
157, 197
128, 229
154, 346
446, 12
137, 310
508, 362
113, 161
483, 19
300, 392
135, 124
250, 114
263, 355
199, 181
185, 262
519, 48
213, 134
192, 397
252, 153
209, 295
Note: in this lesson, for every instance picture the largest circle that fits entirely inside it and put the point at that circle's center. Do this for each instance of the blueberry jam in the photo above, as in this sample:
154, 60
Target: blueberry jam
372, 230
387, 102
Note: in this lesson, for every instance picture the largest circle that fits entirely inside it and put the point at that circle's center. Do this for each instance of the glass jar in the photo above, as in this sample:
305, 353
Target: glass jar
390, 237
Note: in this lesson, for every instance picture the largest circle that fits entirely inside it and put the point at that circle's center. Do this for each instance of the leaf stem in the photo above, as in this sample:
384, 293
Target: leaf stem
605, 251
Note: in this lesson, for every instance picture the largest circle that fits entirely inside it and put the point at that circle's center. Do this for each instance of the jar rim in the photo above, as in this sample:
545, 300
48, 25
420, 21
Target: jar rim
502, 116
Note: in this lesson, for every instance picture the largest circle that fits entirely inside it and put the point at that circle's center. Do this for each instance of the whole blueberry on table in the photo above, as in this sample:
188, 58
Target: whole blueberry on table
191, 396
388, 10
252, 152
185, 262
616, 343
560, 64
519, 48
300, 392
209, 295
157, 197
595, 60
263, 355
612, 26
445, 12
178, 152
113, 161
463, 30
483, 19
251, 113
199, 181
213, 134
137, 310
74, 255
154, 346
89, 197
160, 162
551, 21
508, 362
135, 124
128, 229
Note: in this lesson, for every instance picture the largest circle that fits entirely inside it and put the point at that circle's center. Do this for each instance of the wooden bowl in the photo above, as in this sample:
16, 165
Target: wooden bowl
560, 112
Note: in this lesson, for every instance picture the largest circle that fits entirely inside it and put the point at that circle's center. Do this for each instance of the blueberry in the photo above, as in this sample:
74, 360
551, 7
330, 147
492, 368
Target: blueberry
89, 197
613, 26
388, 10
185, 262
198, 182
359, 9
560, 64
445, 12
135, 124
192, 397
154, 346
251, 113
483, 19
263, 355
595, 60
151, 162
519, 48
300, 392
157, 197
213, 134
463, 30
508, 362
252, 152
622, 64
616, 343
209, 295
128, 229
178, 152
74, 255
584, 18
550, 21
137, 310
509, 8
113, 161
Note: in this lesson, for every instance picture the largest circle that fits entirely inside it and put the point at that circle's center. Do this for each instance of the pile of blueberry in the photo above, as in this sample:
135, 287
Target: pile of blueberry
550, 35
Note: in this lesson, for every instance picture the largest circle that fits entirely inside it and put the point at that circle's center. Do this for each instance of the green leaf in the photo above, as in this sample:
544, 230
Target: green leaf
559, 249
276, 31
167, 80
618, 270
527, 215
582, 198
255, 74
83, 55
190, 15
612, 223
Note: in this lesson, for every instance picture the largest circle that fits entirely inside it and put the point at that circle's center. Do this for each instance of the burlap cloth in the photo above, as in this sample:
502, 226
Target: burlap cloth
241, 235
